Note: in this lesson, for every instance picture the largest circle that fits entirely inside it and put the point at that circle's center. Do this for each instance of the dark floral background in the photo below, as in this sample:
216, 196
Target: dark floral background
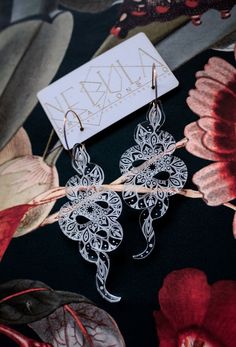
184, 294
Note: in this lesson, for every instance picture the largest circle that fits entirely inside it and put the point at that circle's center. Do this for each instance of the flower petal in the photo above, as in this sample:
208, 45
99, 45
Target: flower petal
10, 218
217, 182
166, 333
198, 102
221, 99
220, 137
211, 98
221, 145
220, 318
221, 71
184, 298
217, 127
195, 146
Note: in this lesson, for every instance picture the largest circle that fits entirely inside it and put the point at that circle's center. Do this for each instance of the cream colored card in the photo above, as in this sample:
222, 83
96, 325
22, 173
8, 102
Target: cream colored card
106, 89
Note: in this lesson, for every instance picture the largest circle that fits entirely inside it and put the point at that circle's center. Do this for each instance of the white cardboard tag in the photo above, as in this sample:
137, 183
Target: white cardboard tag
106, 89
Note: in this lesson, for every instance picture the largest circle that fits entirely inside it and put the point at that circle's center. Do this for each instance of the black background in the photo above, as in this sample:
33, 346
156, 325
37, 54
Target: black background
191, 234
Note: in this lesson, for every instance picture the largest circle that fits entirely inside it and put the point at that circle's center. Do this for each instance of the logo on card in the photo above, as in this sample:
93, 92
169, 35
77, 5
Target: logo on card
106, 89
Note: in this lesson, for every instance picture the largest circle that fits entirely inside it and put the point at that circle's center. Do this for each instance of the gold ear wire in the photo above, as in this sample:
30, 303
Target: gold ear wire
64, 125
154, 82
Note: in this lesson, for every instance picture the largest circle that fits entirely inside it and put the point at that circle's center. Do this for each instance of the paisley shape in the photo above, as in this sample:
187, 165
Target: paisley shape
153, 147
90, 217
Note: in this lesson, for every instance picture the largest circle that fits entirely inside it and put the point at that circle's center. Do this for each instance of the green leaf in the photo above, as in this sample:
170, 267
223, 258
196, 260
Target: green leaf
35, 50
79, 325
26, 301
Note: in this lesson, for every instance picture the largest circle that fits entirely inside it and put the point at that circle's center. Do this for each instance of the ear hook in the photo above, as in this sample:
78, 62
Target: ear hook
64, 125
154, 83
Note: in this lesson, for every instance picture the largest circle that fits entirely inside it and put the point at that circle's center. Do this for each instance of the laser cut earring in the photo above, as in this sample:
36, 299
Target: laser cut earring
161, 172
90, 217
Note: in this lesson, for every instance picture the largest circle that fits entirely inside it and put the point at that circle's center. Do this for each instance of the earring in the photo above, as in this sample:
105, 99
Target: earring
161, 173
90, 217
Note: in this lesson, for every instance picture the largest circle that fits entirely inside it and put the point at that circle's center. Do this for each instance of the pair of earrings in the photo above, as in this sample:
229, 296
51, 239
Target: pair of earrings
91, 215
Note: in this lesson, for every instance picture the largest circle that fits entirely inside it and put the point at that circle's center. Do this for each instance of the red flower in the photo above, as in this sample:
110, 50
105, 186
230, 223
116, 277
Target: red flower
213, 136
195, 314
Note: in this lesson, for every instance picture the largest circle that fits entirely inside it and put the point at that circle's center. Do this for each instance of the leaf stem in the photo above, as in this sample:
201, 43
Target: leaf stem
26, 291
154, 158
117, 185
20, 339
48, 143
188, 193
80, 324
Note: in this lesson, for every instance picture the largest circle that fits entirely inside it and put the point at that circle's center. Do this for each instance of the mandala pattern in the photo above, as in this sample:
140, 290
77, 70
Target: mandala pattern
91, 217
160, 174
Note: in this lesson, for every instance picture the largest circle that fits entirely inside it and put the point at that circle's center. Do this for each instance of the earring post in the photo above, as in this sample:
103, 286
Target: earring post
64, 125
154, 83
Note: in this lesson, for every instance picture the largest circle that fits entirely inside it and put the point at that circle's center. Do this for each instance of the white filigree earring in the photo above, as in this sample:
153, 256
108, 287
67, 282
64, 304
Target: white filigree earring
90, 217
159, 176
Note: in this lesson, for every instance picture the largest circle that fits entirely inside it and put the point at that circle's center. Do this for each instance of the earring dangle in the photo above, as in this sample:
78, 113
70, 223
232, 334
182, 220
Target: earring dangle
90, 217
159, 176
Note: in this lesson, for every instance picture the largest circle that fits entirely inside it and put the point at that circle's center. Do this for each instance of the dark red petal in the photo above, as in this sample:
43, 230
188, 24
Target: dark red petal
195, 146
220, 318
225, 106
166, 333
184, 298
9, 221
221, 145
217, 127
197, 337
211, 98
217, 182
220, 137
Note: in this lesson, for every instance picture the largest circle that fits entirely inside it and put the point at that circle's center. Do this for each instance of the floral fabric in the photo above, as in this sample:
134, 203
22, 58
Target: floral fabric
141, 12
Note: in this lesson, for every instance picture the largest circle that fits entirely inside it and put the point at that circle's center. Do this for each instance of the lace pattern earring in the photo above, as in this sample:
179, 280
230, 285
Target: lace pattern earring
90, 217
161, 173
